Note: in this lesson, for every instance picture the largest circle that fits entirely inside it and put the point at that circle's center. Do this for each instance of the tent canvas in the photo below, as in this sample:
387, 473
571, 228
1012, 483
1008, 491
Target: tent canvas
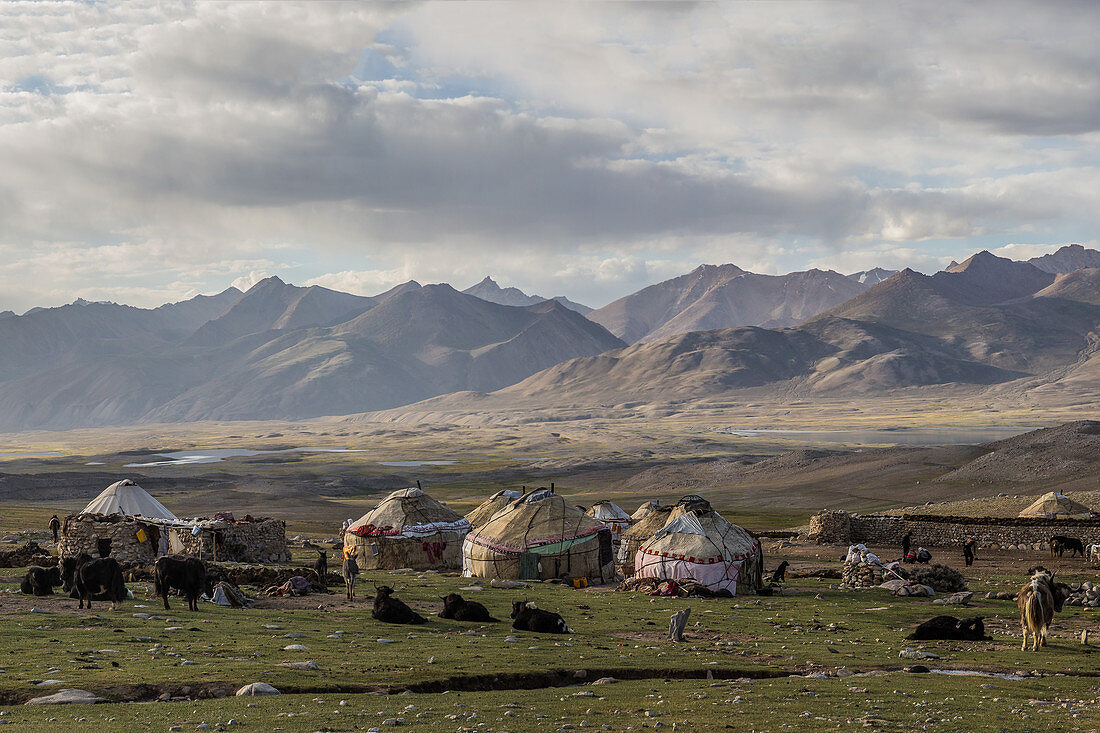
485, 511
408, 529
641, 512
701, 545
540, 536
126, 497
1053, 504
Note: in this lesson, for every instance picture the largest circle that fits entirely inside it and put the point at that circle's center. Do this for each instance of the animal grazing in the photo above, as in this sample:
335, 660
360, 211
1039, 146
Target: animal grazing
780, 574
185, 574
93, 578
529, 617
350, 571
1060, 543
321, 567
392, 610
1038, 601
40, 581
951, 628
457, 608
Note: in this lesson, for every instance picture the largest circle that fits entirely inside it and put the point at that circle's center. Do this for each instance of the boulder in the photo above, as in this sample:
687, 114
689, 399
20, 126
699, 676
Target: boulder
66, 697
256, 689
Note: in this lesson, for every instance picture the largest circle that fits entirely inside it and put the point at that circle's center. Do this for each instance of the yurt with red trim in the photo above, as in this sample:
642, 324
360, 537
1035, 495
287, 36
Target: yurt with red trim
700, 544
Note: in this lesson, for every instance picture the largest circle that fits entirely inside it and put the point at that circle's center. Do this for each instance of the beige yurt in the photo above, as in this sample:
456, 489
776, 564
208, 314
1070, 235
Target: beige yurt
484, 511
613, 517
1053, 504
643, 510
656, 517
699, 544
126, 497
540, 536
408, 529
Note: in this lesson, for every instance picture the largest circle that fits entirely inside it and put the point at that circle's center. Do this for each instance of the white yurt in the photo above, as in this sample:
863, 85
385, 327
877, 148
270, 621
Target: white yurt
700, 544
126, 497
408, 529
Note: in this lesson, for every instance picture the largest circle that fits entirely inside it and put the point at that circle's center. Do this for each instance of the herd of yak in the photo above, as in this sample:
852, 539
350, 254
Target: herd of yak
87, 579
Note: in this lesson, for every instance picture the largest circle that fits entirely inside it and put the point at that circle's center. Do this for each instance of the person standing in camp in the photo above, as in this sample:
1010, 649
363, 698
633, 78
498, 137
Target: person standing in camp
968, 551
906, 543
55, 527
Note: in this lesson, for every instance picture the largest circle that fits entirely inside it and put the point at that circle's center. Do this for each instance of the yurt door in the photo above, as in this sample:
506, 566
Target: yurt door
528, 566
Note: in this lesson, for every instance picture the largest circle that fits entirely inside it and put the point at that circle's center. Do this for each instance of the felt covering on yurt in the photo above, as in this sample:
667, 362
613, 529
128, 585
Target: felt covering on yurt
484, 511
1053, 504
126, 497
408, 529
540, 536
638, 534
643, 510
700, 544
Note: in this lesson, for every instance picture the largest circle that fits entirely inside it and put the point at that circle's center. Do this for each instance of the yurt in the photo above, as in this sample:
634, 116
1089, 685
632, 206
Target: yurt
643, 510
540, 536
126, 497
408, 529
613, 517
486, 509
699, 544
639, 533
1053, 505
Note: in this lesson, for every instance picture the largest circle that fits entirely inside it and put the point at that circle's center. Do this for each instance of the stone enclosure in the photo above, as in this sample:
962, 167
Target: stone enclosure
137, 541
841, 528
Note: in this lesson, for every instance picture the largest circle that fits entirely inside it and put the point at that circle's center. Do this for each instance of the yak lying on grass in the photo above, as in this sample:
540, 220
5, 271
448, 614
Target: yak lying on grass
951, 628
529, 617
392, 610
88, 579
187, 575
457, 608
40, 581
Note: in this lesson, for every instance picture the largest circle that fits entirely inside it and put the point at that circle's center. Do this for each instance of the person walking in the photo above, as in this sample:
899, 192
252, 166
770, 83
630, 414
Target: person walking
968, 551
55, 527
906, 543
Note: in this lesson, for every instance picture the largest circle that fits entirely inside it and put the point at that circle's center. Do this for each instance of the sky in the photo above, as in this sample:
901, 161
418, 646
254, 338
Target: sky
154, 151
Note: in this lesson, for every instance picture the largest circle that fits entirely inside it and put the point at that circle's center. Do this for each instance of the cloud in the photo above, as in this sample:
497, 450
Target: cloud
572, 148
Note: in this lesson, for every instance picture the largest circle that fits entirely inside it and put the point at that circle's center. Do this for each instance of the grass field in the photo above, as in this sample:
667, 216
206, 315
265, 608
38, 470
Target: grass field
811, 631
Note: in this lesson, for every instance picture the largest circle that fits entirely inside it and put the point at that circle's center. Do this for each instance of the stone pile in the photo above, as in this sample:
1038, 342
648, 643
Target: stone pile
1086, 594
941, 578
861, 574
28, 554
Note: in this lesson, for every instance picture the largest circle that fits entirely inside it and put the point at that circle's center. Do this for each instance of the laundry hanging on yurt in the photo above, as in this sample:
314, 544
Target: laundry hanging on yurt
408, 529
700, 544
613, 516
540, 536
484, 511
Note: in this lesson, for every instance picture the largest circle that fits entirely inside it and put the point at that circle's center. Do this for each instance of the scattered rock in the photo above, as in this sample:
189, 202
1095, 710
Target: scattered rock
66, 697
257, 688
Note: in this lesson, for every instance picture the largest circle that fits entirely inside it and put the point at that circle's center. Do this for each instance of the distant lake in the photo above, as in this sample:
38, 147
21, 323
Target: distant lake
216, 455
47, 454
895, 436
413, 464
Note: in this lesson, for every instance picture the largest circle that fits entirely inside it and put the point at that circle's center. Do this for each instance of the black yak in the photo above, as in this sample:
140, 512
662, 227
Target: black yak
457, 608
951, 628
185, 574
94, 578
529, 617
40, 581
392, 610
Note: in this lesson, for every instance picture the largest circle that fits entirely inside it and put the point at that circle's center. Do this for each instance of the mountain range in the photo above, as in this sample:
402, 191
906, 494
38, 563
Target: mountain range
279, 351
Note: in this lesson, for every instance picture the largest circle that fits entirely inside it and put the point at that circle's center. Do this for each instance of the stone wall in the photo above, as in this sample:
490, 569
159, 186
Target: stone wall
81, 533
932, 531
260, 541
